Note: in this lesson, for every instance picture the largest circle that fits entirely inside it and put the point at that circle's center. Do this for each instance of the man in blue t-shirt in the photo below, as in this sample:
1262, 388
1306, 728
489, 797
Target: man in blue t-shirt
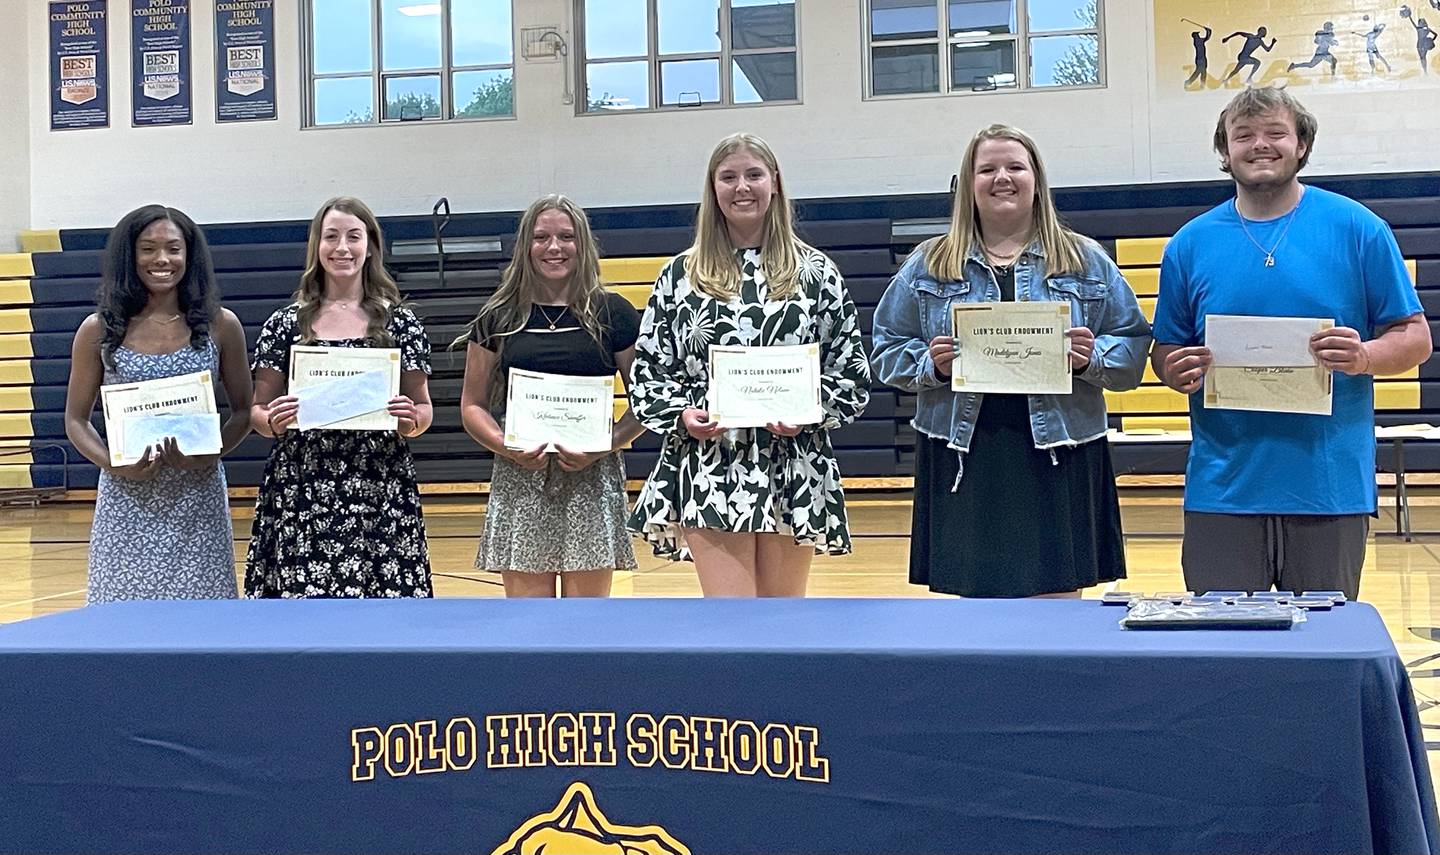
1280, 498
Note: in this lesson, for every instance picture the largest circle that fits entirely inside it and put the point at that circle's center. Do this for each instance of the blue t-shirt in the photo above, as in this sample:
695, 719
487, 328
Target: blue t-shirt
1338, 260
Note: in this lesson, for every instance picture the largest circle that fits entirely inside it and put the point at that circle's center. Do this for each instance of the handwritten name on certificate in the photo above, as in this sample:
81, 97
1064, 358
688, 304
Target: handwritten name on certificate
1277, 389
1264, 364
311, 365
556, 409
122, 403
757, 386
1014, 348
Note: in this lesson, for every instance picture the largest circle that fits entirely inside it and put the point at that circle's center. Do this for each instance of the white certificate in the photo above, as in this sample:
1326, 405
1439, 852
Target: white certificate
333, 401
311, 365
1254, 342
556, 409
123, 402
1011, 347
757, 386
1274, 389
194, 433
1264, 364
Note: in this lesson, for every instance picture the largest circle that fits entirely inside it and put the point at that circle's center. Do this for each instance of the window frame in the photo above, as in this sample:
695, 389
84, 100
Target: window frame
944, 44
379, 77
653, 59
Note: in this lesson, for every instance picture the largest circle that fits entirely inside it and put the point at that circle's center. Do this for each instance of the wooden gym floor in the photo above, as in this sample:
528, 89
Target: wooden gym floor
43, 563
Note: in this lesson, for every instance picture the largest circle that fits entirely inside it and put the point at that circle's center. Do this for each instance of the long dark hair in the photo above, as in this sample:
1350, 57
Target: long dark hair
380, 296
122, 295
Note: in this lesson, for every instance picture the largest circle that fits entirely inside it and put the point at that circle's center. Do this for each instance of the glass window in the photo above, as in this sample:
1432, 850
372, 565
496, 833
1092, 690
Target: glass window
761, 77
762, 24
662, 54
898, 70
986, 45
405, 70
342, 36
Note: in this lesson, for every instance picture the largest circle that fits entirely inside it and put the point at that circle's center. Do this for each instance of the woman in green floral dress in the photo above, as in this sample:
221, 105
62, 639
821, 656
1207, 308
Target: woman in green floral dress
752, 505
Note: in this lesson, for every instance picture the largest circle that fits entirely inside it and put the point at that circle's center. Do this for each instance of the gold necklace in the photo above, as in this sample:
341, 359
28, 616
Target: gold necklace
170, 320
552, 321
1003, 260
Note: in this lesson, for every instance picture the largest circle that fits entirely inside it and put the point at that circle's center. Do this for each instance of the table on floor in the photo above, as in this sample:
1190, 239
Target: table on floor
675, 726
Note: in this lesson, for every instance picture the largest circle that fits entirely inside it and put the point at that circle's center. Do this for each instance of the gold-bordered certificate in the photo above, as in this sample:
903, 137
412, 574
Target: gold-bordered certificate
1273, 389
312, 365
124, 403
557, 409
757, 386
1011, 347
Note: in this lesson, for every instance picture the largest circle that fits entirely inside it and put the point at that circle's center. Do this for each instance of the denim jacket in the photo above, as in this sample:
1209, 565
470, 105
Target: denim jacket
916, 308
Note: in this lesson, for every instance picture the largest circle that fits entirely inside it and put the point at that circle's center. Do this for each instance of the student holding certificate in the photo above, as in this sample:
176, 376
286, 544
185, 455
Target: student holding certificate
561, 512
1014, 493
753, 504
338, 510
1281, 498
162, 524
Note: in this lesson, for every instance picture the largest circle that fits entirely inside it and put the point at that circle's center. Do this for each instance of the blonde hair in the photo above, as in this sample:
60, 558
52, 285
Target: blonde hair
380, 296
710, 263
508, 309
945, 256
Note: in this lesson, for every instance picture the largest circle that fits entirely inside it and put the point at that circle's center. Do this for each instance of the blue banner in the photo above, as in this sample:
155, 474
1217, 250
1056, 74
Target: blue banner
244, 60
160, 62
79, 66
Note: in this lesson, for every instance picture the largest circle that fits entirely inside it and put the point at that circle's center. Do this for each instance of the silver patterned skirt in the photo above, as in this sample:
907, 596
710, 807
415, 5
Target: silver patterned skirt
552, 521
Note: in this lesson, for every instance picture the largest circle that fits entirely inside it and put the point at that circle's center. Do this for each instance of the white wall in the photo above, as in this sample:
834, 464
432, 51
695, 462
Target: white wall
15, 60
834, 144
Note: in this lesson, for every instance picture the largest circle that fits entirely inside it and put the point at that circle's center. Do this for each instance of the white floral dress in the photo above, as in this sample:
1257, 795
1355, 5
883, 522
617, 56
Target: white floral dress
745, 480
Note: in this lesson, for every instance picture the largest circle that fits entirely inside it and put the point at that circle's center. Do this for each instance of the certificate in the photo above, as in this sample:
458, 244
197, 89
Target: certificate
312, 365
194, 433
1253, 342
1278, 389
333, 401
1264, 364
1011, 347
124, 402
757, 386
557, 409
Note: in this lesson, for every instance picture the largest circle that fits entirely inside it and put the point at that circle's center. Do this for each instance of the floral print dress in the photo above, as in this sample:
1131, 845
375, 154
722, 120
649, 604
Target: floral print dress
745, 480
338, 511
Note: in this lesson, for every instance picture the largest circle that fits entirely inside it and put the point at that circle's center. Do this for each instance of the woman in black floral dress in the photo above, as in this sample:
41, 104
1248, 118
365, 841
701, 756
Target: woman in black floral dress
338, 511
753, 505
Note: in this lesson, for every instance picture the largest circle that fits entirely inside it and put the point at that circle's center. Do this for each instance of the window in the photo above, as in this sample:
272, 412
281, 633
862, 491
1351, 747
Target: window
918, 46
374, 61
671, 54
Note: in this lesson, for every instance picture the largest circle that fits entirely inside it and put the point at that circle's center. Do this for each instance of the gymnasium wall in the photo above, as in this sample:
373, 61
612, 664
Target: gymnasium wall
15, 62
1143, 127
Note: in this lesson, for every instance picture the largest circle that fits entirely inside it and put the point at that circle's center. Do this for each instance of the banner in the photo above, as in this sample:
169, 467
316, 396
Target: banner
160, 62
244, 60
79, 66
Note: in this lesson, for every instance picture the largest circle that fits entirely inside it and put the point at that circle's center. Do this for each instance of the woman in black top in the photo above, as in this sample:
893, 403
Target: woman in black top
557, 514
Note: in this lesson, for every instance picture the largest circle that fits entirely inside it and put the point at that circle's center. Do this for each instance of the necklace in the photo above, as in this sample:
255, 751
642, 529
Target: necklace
999, 260
170, 320
555, 320
1269, 253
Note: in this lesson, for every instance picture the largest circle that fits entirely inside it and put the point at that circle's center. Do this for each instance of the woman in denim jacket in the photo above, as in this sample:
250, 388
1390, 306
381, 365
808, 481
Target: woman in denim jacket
1015, 498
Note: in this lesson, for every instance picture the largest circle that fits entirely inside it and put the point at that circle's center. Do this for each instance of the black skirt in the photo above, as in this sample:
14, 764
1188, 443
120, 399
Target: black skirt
1020, 524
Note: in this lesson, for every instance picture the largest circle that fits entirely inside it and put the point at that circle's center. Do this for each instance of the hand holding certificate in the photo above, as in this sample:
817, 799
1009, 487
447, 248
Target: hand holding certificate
1016, 348
131, 409
1265, 365
758, 386
549, 410
344, 388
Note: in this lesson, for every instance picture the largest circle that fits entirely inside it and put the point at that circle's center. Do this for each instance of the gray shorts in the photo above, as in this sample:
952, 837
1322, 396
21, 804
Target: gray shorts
1290, 552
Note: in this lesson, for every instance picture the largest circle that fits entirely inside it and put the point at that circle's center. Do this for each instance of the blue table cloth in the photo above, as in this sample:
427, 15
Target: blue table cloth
676, 726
